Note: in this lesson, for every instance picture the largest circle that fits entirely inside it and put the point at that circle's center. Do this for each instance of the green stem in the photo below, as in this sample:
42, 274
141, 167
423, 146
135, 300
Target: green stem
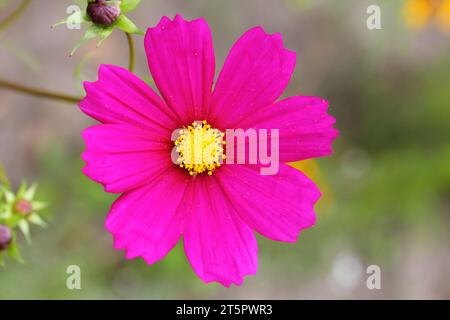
14, 15
59, 96
39, 92
131, 51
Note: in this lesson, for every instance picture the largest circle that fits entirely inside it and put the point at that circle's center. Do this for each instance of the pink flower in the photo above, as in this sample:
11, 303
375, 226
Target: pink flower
216, 209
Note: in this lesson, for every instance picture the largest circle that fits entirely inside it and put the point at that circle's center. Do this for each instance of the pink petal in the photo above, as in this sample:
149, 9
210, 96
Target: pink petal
277, 206
256, 72
305, 128
181, 59
219, 246
147, 221
123, 157
120, 97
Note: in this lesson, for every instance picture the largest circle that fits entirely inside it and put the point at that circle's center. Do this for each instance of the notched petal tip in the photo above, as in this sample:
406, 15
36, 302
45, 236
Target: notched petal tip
89, 87
275, 38
180, 56
255, 73
226, 281
165, 23
130, 252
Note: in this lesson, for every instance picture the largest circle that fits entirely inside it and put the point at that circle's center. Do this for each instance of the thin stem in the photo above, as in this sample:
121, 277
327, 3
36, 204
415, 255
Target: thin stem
55, 95
14, 15
39, 92
131, 51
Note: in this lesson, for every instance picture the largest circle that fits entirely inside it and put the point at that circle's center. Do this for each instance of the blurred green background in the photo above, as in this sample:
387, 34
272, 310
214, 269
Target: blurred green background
386, 188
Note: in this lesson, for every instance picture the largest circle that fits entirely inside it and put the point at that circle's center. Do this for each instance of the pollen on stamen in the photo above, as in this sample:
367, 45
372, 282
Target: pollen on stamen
200, 148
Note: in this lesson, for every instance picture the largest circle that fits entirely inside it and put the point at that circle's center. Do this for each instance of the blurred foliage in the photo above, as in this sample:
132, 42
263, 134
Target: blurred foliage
21, 54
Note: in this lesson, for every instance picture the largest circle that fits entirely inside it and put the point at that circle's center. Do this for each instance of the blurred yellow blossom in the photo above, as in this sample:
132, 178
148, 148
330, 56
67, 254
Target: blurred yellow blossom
419, 13
443, 15
312, 170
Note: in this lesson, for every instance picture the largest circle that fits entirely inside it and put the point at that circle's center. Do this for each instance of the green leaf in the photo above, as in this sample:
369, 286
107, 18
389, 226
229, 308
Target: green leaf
129, 5
127, 25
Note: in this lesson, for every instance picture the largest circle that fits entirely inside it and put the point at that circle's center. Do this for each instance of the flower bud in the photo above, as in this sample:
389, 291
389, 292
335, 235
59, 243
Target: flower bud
5, 237
23, 206
103, 12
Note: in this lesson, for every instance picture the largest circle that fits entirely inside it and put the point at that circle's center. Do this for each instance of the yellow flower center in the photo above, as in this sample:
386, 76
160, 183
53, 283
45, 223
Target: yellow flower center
200, 148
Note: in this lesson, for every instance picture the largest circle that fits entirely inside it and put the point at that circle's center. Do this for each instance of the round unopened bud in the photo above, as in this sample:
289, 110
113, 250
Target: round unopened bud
23, 206
5, 237
103, 12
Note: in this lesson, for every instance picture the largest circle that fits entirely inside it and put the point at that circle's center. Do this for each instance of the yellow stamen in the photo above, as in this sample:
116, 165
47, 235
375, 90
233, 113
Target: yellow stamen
200, 148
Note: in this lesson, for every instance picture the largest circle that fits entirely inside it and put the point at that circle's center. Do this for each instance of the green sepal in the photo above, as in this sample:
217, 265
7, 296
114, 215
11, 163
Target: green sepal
3, 177
82, 4
9, 196
90, 33
125, 24
104, 33
13, 249
37, 220
22, 189
128, 5
13, 220
39, 205
76, 17
25, 229
29, 193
